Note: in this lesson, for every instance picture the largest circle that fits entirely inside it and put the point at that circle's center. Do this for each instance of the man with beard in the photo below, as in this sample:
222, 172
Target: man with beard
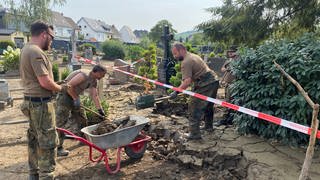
69, 102
37, 78
195, 71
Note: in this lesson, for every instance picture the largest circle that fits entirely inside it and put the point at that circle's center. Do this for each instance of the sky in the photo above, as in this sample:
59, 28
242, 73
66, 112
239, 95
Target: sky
184, 15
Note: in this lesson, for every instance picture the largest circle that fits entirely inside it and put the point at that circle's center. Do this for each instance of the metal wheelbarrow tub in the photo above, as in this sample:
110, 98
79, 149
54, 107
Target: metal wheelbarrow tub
117, 138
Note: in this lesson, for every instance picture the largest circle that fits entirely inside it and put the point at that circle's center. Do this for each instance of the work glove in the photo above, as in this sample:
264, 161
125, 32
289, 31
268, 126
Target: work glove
76, 104
101, 112
173, 95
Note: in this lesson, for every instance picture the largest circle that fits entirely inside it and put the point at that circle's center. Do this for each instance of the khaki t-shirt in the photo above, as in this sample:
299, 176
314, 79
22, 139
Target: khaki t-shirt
87, 83
33, 63
193, 67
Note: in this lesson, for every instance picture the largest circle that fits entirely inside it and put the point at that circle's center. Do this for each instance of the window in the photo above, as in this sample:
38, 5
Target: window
85, 26
87, 34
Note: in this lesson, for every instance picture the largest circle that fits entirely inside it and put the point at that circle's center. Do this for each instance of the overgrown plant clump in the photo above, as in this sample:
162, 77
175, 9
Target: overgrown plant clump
55, 71
149, 68
87, 102
113, 50
11, 59
176, 80
262, 87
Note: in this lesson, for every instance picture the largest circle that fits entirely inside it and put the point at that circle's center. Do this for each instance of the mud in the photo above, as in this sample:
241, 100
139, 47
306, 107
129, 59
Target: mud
108, 126
169, 107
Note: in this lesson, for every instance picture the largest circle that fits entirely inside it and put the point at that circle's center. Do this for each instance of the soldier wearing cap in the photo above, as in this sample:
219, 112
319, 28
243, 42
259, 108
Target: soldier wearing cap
39, 86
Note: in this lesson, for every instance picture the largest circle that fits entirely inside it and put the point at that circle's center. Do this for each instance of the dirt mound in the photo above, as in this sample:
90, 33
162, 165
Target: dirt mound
169, 108
108, 126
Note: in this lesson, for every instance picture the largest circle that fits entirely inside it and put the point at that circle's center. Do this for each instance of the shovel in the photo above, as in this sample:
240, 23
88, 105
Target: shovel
147, 101
88, 109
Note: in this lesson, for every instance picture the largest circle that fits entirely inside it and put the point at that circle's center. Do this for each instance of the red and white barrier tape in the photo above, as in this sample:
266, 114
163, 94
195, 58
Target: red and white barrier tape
267, 117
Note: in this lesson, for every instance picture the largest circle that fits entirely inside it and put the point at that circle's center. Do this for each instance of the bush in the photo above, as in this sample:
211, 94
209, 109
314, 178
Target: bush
82, 47
134, 52
11, 59
4, 45
176, 80
55, 71
212, 55
65, 73
87, 102
260, 86
113, 50
64, 59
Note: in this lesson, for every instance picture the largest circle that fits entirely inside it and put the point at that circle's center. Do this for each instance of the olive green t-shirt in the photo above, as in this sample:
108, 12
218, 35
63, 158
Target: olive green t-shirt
34, 63
193, 67
87, 83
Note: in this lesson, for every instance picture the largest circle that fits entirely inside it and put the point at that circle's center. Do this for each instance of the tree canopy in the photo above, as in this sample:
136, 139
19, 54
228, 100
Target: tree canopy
157, 31
250, 22
28, 11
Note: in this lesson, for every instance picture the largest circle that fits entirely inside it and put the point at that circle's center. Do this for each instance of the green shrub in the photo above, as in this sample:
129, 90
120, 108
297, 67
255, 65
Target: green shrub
260, 86
65, 73
55, 71
149, 69
134, 52
176, 80
64, 59
113, 50
212, 55
82, 47
87, 102
11, 59
4, 45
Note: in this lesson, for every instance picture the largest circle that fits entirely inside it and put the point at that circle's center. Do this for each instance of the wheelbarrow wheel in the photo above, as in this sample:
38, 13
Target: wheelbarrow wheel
136, 151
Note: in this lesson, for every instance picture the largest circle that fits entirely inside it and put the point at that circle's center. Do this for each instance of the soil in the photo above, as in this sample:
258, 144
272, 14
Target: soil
222, 154
108, 126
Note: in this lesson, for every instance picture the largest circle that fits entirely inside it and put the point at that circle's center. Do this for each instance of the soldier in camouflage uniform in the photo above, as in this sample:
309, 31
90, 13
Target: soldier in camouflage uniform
37, 78
69, 102
195, 70
226, 80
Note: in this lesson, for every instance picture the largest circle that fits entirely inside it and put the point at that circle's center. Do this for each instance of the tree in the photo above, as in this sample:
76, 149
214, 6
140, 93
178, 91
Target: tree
157, 31
250, 22
28, 11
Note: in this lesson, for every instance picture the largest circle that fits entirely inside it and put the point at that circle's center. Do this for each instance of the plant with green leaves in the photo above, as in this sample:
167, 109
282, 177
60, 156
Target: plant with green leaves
55, 71
87, 102
134, 52
262, 87
149, 68
4, 45
11, 59
113, 50
65, 73
176, 80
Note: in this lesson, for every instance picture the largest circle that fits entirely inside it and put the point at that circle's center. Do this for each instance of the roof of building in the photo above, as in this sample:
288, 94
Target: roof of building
127, 36
59, 20
97, 25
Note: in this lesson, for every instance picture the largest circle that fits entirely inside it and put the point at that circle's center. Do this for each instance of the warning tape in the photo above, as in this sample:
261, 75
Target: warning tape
267, 117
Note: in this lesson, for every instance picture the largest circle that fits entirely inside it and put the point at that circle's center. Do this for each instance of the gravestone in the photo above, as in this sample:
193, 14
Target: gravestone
119, 76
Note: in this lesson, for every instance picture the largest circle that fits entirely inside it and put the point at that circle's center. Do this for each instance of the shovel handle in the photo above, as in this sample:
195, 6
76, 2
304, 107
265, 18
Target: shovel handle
92, 111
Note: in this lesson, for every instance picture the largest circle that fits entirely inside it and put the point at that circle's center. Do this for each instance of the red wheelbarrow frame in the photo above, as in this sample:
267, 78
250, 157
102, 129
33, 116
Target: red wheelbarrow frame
135, 143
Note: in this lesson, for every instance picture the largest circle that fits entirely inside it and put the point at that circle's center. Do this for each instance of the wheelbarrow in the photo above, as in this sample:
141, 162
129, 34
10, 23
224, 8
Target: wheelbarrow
130, 138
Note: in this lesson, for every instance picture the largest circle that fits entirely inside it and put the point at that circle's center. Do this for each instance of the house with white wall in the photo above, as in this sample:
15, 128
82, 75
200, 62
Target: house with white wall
63, 26
94, 30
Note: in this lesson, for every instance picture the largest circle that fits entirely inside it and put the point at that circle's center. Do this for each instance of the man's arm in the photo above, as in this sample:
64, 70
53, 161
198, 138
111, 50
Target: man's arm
185, 83
95, 97
48, 83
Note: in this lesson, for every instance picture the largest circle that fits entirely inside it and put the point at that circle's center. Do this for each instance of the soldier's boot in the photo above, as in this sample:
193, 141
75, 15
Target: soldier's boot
208, 126
62, 152
194, 132
208, 121
33, 177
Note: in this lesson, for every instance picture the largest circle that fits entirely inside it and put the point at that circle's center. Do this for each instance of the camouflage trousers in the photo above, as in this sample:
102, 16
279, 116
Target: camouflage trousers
42, 138
66, 111
200, 109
